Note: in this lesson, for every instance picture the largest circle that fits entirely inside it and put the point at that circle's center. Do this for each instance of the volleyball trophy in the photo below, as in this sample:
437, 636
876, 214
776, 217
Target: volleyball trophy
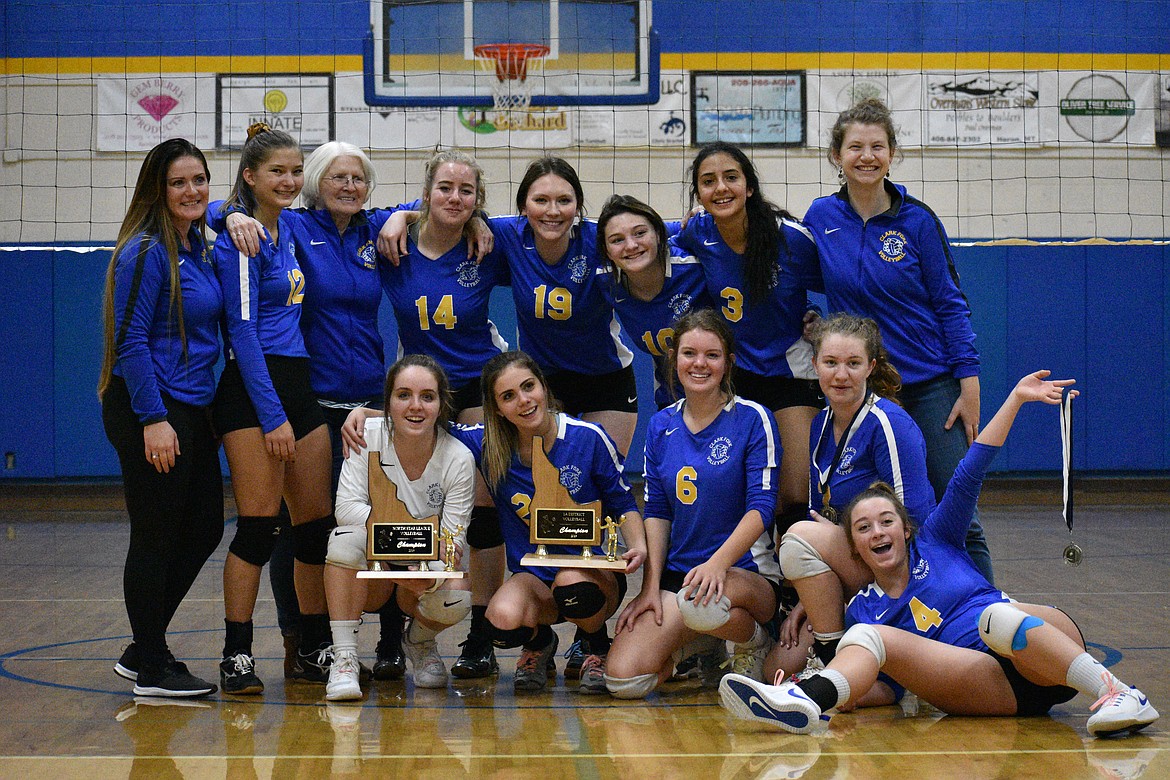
394, 536
556, 519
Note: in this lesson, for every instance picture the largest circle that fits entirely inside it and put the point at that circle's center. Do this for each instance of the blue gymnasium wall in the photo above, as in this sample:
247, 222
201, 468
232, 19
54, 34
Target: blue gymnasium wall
125, 28
1097, 313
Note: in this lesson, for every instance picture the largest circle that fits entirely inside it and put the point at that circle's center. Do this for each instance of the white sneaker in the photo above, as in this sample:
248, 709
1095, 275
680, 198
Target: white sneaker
747, 659
1119, 710
784, 706
429, 671
812, 667
344, 673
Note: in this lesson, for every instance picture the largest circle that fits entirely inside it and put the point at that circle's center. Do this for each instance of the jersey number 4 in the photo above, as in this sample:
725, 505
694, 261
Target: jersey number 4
925, 618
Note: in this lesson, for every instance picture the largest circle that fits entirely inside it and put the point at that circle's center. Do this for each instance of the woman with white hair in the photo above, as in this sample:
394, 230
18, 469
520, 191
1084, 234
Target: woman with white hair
335, 236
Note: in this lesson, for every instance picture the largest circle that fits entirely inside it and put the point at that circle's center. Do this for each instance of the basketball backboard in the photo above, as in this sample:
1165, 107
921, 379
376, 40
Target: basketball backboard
423, 52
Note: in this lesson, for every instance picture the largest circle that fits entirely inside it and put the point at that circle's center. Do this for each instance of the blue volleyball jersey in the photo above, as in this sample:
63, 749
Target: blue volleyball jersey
886, 445
704, 483
563, 318
441, 307
649, 323
946, 593
339, 317
897, 268
768, 332
262, 311
591, 469
151, 357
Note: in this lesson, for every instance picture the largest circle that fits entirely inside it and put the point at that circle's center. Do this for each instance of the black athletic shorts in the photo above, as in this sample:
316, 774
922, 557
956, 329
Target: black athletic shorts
1032, 699
232, 409
468, 397
673, 581
777, 392
580, 394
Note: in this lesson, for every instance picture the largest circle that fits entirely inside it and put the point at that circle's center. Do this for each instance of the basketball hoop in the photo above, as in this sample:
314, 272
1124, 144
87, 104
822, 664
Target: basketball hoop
511, 63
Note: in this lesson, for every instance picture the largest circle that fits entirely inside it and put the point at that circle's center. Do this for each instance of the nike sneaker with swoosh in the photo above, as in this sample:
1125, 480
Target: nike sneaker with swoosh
783, 706
1119, 710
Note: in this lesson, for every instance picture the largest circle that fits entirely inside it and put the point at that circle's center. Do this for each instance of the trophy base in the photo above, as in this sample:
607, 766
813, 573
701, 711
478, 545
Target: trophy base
411, 575
573, 562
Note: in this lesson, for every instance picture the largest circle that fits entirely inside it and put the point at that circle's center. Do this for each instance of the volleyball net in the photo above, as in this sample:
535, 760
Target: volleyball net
1035, 121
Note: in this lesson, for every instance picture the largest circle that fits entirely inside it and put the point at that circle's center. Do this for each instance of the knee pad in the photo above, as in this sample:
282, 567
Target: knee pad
703, 619
512, 637
347, 547
866, 636
799, 559
579, 600
446, 607
256, 538
483, 531
631, 687
1003, 628
311, 540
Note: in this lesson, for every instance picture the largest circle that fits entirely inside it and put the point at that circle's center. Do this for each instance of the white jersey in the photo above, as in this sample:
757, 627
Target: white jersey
446, 487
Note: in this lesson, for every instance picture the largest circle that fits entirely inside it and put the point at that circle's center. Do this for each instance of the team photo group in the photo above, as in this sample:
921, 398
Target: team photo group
805, 536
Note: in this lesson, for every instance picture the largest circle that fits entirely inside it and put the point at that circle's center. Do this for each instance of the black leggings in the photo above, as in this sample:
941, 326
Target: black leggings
176, 519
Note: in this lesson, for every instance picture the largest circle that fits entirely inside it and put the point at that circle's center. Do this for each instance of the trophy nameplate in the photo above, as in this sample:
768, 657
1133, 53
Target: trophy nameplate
393, 535
555, 518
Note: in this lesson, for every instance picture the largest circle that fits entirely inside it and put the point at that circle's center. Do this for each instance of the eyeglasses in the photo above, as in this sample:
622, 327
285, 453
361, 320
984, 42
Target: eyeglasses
342, 180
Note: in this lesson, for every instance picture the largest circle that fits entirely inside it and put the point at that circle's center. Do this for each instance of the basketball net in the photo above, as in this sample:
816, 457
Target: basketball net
512, 64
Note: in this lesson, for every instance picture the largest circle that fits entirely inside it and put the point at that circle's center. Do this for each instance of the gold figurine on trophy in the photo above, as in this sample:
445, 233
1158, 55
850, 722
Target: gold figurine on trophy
611, 526
448, 538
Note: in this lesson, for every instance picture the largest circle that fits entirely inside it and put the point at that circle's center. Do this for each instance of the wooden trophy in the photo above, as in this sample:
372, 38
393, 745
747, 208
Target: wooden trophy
394, 535
555, 518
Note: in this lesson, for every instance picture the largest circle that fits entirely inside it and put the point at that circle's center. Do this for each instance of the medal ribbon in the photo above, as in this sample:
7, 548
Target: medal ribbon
823, 476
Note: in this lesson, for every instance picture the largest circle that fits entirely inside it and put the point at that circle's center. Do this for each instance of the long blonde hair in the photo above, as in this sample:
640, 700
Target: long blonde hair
501, 439
149, 220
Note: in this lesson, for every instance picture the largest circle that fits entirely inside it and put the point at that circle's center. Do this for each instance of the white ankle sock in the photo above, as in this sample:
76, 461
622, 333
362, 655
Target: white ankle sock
417, 632
1085, 674
345, 633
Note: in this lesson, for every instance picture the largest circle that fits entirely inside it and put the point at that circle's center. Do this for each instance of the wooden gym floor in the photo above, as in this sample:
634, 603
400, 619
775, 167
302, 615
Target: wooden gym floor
65, 714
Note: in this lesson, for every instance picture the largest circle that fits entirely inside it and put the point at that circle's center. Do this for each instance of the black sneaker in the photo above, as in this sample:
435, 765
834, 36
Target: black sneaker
390, 663
171, 682
237, 675
576, 655
313, 666
127, 665
476, 659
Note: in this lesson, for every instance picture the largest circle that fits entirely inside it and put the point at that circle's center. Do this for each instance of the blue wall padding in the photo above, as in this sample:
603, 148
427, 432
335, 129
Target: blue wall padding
1096, 313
